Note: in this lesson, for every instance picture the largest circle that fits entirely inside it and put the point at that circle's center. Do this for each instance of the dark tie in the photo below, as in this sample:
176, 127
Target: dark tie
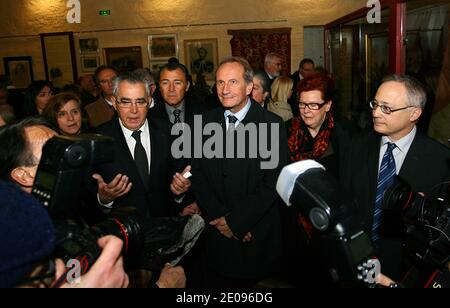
140, 157
232, 120
385, 180
176, 114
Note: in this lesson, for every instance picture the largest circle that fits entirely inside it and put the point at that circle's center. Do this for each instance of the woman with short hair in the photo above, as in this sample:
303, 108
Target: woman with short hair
64, 112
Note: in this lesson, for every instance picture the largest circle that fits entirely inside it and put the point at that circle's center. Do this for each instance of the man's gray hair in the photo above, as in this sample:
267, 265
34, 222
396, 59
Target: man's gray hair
146, 74
270, 56
415, 91
248, 71
132, 78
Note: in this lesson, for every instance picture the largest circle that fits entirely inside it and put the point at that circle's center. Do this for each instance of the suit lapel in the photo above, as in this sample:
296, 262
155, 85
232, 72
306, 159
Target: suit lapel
372, 176
412, 158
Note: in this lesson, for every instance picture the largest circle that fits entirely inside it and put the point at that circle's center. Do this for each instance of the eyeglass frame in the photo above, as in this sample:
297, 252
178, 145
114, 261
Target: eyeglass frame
319, 105
385, 109
122, 104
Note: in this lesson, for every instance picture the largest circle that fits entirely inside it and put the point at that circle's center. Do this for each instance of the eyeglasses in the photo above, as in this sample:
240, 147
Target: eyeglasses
311, 106
140, 103
385, 109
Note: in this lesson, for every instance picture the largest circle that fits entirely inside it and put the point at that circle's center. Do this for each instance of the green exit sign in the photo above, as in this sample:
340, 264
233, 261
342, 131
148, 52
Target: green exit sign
104, 12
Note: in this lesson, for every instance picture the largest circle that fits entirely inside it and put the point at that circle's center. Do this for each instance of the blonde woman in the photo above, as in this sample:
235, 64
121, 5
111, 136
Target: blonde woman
281, 91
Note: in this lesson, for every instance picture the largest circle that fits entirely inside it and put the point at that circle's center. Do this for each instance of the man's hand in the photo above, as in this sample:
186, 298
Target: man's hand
172, 277
107, 271
247, 238
221, 225
179, 183
191, 209
118, 187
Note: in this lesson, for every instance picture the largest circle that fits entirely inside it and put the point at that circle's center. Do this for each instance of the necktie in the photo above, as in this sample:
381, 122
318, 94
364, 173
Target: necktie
140, 157
385, 180
232, 120
176, 114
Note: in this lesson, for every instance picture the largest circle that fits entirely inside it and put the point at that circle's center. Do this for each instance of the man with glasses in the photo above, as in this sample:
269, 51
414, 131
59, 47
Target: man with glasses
394, 147
101, 111
141, 172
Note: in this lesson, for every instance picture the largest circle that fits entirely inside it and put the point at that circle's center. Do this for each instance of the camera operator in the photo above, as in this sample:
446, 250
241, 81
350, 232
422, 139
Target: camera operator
395, 146
20, 152
27, 230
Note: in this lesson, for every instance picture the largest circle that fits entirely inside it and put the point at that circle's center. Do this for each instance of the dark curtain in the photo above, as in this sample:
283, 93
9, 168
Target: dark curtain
254, 44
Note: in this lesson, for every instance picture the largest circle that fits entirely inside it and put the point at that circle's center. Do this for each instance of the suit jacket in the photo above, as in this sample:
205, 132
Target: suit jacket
157, 200
426, 164
99, 112
245, 194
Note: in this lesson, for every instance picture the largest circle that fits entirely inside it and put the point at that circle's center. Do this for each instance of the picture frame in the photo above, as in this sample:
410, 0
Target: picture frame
155, 66
58, 50
124, 59
201, 58
89, 62
162, 47
88, 45
19, 70
377, 61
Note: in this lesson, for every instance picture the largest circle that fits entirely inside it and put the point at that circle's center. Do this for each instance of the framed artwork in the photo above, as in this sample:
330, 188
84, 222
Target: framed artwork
59, 58
124, 59
162, 47
89, 45
377, 61
155, 66
89, 63
19, 70
201, 59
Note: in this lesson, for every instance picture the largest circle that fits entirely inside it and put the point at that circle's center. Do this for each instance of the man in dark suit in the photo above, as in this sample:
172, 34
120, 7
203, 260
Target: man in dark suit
273, 66
394, 144
141, 173
177, 107
101, 111
306, 68
238, 196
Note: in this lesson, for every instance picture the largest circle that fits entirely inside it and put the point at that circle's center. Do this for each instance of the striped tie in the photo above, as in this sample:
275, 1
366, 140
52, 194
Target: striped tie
385, 180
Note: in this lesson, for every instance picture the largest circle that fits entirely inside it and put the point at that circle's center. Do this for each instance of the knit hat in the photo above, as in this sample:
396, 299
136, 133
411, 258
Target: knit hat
26, 234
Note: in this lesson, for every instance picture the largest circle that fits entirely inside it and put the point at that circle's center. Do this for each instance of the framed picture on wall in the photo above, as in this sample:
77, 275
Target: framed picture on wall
19, 70
89, 63
201, 58
89, 45
155, 66
59, 58
124, 59
162, 47
377, 61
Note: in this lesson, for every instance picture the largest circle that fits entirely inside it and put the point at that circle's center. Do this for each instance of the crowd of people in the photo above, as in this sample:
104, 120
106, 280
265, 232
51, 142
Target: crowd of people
250, 235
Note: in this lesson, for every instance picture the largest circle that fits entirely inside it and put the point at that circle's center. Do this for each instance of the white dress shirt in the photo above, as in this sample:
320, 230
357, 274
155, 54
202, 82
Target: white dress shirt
239, 115
400, 151
145, 140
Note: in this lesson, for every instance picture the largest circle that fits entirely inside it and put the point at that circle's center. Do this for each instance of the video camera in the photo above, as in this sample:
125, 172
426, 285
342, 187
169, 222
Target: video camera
149, 243
426, 220
342, 243
340, 240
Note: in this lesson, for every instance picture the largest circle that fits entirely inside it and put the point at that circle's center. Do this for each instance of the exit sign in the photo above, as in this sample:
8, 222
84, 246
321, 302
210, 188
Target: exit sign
104, 12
